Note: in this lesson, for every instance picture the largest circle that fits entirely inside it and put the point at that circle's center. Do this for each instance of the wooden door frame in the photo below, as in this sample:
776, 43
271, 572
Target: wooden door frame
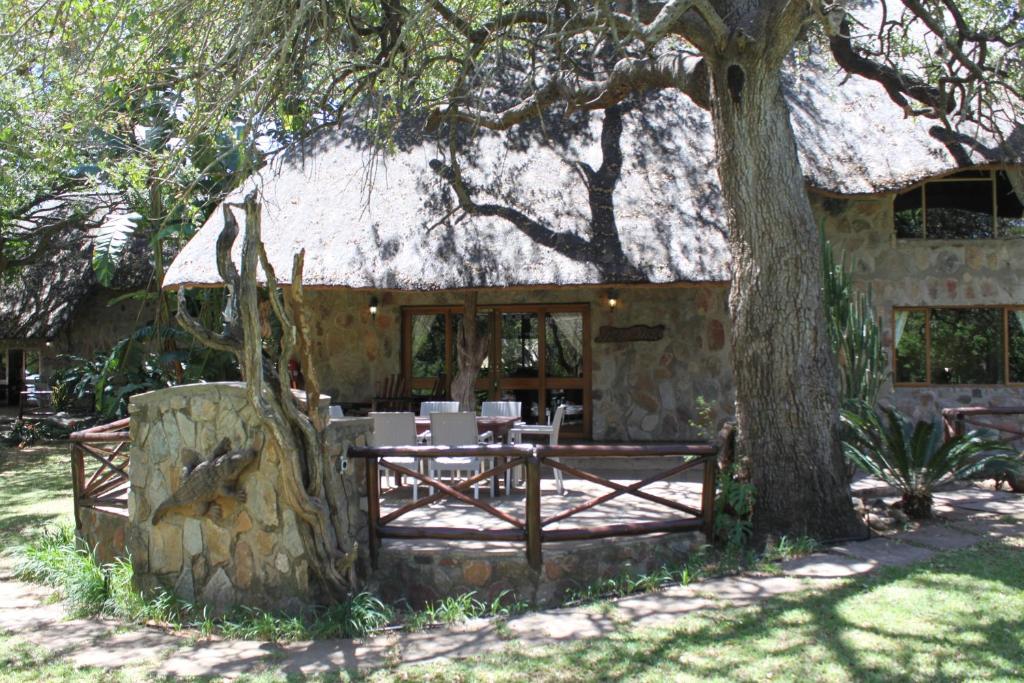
494, 383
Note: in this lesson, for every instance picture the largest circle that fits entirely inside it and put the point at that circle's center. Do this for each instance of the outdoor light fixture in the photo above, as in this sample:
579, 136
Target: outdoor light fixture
373, 307
613, 299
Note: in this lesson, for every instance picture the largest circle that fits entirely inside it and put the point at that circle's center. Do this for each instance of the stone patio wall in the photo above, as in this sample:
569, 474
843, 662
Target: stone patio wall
427, 571
104, 533
252, 553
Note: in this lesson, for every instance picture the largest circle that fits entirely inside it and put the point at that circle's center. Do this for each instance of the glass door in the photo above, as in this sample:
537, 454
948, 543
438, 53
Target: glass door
545, 363
541, 357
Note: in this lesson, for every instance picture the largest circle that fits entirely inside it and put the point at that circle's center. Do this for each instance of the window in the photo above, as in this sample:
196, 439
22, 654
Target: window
958, 345
968, 205
541, 357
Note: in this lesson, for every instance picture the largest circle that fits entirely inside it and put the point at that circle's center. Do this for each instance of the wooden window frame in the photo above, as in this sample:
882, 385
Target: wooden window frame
494, 381
927, 310
992, 179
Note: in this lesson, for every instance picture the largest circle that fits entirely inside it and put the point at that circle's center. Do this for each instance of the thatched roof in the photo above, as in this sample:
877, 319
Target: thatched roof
392, 226
40, 299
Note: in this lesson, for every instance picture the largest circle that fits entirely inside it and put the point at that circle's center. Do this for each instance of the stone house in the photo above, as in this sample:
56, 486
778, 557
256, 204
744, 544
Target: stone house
599, 253
56, 306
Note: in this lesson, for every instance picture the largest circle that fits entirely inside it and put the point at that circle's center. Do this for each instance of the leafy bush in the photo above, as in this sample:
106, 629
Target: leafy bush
56, 559
23, 432
353, 618
734, 507
914, 458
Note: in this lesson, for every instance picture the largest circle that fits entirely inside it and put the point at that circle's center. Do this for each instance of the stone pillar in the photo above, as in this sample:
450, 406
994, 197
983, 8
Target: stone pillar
252, 553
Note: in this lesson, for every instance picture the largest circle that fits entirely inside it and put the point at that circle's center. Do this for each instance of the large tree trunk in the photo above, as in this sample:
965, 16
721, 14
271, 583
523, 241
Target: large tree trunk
472, 351
785, 373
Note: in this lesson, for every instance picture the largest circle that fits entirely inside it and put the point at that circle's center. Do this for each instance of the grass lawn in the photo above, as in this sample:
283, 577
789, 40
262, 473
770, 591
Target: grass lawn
959, 617
35, 490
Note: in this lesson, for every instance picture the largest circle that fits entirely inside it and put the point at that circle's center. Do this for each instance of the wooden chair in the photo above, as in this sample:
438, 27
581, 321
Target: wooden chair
392, 393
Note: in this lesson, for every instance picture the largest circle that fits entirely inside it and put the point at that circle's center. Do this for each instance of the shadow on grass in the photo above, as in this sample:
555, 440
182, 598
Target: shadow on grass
35, 489
958, 617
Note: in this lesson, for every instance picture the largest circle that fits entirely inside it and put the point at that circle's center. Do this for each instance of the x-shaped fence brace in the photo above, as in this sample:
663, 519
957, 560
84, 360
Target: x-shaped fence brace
531, 529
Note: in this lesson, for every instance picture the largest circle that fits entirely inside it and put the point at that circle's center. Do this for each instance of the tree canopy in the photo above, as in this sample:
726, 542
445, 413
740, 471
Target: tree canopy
93, 73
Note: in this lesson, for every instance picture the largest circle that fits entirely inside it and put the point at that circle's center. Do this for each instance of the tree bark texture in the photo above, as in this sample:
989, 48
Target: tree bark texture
472, 351
785, 372
318, 495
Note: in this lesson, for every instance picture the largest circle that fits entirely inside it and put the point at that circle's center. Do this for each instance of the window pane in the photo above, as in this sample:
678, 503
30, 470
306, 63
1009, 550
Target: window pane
1015, 319
530, 400
1010, 207
907, 213
572, 399
520, 345
483, 329
909, 343
563, 344
958, 209
33, 365
428, 343
967, 345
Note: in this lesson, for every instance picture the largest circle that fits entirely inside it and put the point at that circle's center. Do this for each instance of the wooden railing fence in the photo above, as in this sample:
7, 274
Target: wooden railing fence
99, 467
957, 421
531, 528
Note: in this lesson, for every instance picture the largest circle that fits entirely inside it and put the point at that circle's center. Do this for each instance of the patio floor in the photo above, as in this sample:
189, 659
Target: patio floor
449, 512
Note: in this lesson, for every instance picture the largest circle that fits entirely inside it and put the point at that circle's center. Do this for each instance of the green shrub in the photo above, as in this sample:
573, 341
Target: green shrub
915, 458
352, 618
734, 507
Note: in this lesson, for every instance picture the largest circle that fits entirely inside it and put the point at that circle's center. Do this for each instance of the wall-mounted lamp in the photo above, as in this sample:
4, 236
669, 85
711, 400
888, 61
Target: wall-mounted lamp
49, 344
373, 307
613, 300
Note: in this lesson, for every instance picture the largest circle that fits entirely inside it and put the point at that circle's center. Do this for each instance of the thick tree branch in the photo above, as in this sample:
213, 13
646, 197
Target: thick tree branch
898, 84
629, 75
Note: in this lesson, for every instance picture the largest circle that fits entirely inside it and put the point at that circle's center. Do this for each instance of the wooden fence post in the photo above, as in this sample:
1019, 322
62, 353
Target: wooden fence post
707, 497
77, 481
534, 553
372, 509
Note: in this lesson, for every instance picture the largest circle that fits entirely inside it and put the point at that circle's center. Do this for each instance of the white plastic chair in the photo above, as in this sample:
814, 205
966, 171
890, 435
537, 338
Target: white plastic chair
552, 431
396, 429
428, 407
501, 409
456, 429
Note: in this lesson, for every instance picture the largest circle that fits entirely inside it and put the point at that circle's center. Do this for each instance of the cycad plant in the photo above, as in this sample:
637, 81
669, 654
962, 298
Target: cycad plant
914, 458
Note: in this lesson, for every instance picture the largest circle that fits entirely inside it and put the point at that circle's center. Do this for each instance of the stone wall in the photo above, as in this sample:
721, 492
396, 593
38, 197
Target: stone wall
104, 533
648, 390
424, 571
917, 272
252, 553
641, 390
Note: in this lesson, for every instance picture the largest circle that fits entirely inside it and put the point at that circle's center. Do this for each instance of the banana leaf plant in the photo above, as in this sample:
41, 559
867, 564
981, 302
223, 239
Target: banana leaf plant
915, 459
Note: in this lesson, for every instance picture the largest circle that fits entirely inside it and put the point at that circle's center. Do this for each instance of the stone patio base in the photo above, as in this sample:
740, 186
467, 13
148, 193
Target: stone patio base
421, 571
103, 532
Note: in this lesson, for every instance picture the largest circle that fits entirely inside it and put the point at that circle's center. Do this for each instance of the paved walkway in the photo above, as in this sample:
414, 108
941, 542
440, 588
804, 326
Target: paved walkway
968, 517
